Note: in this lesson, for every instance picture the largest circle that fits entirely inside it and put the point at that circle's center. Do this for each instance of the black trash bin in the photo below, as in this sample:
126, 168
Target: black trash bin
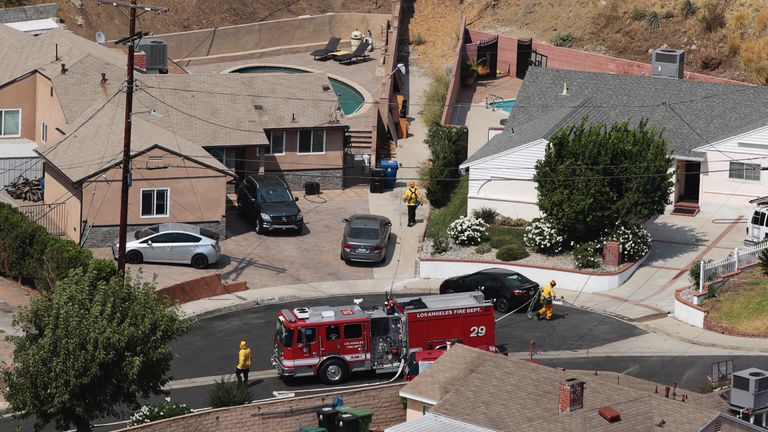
312, 188
347, 423
378, 180
326, 417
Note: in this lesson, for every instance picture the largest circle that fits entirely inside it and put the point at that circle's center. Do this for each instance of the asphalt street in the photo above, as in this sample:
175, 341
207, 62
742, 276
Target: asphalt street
211, 346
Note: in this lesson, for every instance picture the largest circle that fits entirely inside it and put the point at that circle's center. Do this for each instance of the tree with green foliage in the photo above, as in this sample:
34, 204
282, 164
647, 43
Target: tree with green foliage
595, 177
440, 176
96, 342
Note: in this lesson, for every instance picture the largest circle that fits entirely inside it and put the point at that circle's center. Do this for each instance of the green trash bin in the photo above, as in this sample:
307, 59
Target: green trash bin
312, 429
363, 414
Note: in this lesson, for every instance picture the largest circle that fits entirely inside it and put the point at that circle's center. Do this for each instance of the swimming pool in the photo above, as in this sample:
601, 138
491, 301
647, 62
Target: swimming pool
505, 105
350, 99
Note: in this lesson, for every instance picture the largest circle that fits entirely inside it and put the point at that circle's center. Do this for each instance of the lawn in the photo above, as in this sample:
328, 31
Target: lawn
502, 231
742, 304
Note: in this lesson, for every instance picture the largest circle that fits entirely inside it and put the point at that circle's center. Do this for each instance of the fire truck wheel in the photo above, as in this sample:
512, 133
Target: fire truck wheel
334, 371
503, 305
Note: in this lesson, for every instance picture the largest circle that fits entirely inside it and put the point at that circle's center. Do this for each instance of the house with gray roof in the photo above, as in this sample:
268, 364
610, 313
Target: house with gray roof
718, 135
194, 136
468, 389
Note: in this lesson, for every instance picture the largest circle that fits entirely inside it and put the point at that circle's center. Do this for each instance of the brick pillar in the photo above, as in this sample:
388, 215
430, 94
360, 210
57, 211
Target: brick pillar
140, 60
571, 395
612, 253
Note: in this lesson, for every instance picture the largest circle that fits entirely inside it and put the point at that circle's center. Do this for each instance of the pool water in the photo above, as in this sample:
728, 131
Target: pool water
505, 105
350, 99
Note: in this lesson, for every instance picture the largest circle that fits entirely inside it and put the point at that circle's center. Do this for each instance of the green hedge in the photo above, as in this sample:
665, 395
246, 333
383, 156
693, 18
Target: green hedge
512, 252
32, 256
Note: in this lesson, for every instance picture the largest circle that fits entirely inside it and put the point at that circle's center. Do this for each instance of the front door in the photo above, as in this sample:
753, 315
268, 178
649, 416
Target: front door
692, 181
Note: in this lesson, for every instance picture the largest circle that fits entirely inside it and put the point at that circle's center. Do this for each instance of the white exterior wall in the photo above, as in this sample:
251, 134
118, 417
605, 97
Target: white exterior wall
505, 182
689, 315
717, 189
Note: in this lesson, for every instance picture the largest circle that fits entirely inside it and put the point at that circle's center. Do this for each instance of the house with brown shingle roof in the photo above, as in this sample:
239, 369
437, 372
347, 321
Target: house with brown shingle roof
492, 392
193, 135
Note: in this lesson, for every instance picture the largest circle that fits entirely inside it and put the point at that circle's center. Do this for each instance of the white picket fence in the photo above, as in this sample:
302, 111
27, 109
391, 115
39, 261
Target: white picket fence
736, 260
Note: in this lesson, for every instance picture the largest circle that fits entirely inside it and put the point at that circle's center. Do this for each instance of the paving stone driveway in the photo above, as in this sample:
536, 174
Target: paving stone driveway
277, 259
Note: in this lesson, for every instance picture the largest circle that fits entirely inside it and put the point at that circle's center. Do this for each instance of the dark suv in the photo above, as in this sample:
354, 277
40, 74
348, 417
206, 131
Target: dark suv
267, 202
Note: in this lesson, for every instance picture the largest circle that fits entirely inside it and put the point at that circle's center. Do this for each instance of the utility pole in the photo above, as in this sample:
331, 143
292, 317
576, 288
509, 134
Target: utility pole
131, 40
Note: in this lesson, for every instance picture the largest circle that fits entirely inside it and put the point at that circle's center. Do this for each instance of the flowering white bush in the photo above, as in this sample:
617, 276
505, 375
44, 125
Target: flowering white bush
635, 241
150, 413
467, 231
543, 237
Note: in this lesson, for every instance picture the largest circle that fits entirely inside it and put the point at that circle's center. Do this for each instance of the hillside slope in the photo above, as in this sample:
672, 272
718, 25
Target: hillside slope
85, 17
721, 37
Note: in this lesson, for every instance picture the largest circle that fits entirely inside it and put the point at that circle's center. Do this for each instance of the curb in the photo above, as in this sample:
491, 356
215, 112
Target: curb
267, 301
653, 329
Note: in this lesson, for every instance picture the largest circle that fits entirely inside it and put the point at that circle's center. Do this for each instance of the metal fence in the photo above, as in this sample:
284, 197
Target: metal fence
52, 217
10, 168
736, 260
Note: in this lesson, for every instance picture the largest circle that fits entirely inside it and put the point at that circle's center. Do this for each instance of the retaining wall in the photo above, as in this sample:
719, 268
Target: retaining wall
200, 288
688, 312
573, 280
287, 415
454, 85
221, 42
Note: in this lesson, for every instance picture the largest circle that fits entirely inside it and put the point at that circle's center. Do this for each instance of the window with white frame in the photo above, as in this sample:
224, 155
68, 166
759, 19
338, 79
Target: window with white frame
311, 141
744, 171
154, 202
44, 132
276, 142
10, 122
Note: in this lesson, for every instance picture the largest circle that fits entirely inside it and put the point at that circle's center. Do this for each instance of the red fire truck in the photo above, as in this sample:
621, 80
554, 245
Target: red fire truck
333, 341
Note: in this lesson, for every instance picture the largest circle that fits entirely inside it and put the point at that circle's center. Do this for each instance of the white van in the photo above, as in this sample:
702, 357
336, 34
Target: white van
757, 226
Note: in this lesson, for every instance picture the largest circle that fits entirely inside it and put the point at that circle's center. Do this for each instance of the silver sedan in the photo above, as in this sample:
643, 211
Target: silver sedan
172, 243
365, 238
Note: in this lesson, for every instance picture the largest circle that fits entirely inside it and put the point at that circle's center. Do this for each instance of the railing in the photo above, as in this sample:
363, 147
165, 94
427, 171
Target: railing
736, 260
490, 101
52, 217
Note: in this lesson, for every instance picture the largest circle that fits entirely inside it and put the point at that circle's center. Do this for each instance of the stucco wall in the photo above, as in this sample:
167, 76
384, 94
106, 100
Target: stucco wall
59, 189
513, 198
21, 95
48, 110
415, 410
688, 313
288, 415
292, 160
718, 189
271, 34
196, 194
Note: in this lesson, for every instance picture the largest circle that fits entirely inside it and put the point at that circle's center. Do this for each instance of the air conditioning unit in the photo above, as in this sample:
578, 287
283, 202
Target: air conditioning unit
668, 63
157, 55
749, 389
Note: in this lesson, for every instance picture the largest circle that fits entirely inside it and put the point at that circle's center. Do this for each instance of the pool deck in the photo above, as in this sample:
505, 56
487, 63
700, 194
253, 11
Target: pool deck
479, 119
367, 75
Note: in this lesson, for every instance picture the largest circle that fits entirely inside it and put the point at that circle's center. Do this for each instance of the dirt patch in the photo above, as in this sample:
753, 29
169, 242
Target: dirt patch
85, 17
742, 303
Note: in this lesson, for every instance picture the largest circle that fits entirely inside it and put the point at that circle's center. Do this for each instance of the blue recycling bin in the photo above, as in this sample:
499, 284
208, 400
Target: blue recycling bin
390, 172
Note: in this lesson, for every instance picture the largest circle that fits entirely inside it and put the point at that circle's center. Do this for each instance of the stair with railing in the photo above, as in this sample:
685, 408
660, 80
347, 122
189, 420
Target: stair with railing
360, 138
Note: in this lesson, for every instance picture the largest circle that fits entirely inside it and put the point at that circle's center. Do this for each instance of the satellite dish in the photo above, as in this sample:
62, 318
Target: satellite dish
100, 38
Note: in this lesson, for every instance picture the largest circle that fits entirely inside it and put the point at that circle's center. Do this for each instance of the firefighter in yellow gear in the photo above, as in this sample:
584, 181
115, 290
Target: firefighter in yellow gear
412, 199
547, 298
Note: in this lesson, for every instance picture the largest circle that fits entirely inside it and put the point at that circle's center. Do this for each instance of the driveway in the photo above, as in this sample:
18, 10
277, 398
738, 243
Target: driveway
678, 241
277, 259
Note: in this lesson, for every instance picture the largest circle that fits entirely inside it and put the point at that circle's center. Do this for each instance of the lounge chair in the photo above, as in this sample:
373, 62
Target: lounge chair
359, 53
331, 46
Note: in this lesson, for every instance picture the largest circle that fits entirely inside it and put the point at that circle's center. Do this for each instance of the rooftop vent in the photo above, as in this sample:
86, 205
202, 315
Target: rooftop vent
157, 55
258, 107
326, 87
609, 414
668, 63
749, 389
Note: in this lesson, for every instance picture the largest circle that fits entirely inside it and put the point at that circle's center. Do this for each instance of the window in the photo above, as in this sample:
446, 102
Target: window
10, 122
308, 335
311, 141
44, 132
744, 171
154, 202
160, 239
183, 238
276, 142
333, 332
220, 154
353, 331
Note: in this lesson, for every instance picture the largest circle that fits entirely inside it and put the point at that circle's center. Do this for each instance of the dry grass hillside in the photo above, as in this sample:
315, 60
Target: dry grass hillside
722, 37
85, 18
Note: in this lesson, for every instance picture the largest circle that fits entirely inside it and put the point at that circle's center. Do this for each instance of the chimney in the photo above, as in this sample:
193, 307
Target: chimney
571, 395
140, 60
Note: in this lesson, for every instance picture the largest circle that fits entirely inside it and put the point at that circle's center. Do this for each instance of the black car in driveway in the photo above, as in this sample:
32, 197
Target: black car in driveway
506, 288
268, 203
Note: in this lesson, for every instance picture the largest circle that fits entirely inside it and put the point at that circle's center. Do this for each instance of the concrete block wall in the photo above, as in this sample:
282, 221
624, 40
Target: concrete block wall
104, 236
287, 415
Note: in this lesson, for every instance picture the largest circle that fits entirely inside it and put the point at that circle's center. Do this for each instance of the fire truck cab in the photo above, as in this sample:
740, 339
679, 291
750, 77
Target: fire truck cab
334, 341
